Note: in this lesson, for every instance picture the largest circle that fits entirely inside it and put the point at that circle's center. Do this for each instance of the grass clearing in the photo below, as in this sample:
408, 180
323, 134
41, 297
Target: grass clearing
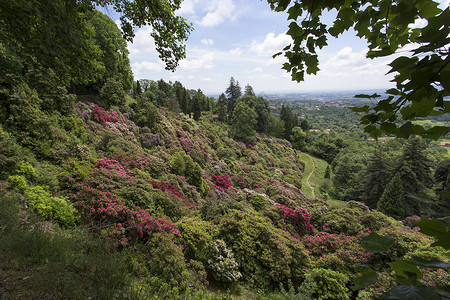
313, 175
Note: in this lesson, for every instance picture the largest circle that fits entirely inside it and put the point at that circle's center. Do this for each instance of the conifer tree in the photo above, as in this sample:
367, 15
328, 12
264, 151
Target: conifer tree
327, 174
415, 172
196, 105
233, 93
391, 202
290, 121
222, 107
376, 177
249, 91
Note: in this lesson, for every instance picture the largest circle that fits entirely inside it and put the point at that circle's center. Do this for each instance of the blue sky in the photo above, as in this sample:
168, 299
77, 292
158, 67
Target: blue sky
238, 38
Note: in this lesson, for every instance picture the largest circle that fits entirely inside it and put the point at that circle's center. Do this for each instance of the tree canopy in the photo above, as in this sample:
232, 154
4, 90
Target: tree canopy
422, 79
56, 34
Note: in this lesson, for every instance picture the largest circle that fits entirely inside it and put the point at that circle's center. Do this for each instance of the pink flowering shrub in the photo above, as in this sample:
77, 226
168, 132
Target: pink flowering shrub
222, 182
169, 188
335, 251
102, 117
298, 219
107, 214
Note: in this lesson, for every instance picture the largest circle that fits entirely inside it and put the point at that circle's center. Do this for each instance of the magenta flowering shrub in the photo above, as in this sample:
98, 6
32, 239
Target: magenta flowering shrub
335, 251
102, 117
169, 188
298, 219
222, 182
107, 214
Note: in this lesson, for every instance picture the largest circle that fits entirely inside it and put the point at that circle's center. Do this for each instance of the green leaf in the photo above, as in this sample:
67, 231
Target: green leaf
364, 108
400, 63
367, 96
377, 243
434, 263
367, 278
406, 130
393, 92
431, 227
436, 229
388, 128
405, 268
436, 132
407, 292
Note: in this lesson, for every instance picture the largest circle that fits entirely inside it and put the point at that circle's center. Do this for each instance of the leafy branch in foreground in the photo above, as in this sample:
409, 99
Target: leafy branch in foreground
422, 79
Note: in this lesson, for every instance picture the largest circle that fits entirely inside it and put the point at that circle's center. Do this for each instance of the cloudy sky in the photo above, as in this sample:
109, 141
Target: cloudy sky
238, 38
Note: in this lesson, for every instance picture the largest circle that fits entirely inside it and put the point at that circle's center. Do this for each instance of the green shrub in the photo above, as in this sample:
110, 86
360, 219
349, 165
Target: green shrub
18, 181
52, 208
266, 255
184, 165
112, 93
197, 236
324, 284
27, 170
258, 201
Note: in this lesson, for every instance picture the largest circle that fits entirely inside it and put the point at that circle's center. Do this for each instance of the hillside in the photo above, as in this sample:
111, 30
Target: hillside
102, 207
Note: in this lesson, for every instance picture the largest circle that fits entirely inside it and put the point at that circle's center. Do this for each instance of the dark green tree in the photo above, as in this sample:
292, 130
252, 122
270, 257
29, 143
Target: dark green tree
196, 105
442, 187
261, 107
221, 107
304, 125
289, 119
415, 169
243, 123
137, 90
375, 178
233, 93
248, 90
298, 138
421, 78
391, 202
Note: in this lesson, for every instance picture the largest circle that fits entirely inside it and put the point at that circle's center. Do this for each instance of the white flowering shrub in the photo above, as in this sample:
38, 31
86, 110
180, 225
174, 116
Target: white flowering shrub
223, 264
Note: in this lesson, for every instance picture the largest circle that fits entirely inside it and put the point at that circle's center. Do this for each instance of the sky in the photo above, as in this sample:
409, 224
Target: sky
237, 38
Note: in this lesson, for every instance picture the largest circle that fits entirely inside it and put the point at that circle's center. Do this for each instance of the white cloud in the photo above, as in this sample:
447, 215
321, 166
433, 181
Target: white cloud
255, 70
207, 42
143, 45
346, 57
271, 44
140, 69
207, 79
187, 7
205, 62
419, 23
236, 52
217, 12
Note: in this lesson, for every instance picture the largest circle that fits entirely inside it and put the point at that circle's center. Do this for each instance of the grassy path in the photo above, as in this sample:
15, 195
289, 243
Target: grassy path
308, 188
313, 176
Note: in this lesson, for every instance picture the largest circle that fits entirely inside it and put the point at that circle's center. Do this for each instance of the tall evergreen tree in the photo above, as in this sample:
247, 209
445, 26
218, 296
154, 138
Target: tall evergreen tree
233, 93
391, 202
290, 121
249, 90
221, 107
375, 178
442, 181
415, 171
196, 105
